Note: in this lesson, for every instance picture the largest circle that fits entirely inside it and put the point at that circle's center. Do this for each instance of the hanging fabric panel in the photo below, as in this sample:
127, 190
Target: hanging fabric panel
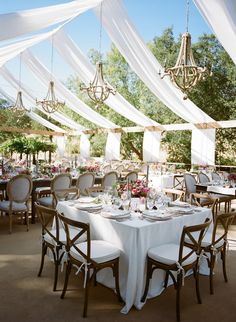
151, 146
86, 71
112, 151
203, 147
26, 21
31, 101
63, 93
221, 16
84, 146
61, 145
142, 61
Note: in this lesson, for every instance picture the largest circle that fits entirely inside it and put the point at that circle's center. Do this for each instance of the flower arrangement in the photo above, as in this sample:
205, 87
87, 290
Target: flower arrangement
232, 176
89, 168
137, 188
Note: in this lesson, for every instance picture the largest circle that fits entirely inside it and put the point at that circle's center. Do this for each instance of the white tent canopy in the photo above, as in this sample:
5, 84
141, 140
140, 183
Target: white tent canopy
126, 38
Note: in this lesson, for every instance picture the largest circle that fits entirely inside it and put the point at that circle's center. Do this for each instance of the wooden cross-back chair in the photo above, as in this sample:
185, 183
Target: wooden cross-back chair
178, 258
88, 256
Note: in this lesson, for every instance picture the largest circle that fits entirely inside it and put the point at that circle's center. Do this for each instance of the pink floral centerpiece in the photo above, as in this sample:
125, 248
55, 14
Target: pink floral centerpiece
137, 188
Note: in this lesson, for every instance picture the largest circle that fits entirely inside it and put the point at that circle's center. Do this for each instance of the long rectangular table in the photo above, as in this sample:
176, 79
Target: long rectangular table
134, 237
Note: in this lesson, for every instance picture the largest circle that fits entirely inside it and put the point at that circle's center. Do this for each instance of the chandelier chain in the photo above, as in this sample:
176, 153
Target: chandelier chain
100, 34
52, 54
187, 15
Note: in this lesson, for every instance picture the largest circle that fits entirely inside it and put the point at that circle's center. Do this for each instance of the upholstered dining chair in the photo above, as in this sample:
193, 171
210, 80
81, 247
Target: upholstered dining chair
60, 181
109, 179
214, 243
176, 260
216, 176
131, 176
85, 181
53, 238
89, 256
19, 190
203, 178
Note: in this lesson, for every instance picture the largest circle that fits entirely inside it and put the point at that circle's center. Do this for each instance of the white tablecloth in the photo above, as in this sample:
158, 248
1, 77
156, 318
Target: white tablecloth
166, 181
134, 237
222, 190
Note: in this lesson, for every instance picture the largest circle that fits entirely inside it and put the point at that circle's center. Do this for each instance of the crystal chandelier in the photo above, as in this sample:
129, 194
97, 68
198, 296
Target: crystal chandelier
50, 103
186, 74
98, 89
19, 107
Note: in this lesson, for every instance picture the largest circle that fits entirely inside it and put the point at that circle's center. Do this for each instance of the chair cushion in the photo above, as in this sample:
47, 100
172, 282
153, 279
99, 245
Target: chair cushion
207, 240
4, 206
62, 236
169, 254
45, 201
101, 251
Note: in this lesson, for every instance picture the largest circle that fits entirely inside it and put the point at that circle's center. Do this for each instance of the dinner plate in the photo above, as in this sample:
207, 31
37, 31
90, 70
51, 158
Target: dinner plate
115, 214
156, 215
181, 204
90, 207
181, 211
86, 200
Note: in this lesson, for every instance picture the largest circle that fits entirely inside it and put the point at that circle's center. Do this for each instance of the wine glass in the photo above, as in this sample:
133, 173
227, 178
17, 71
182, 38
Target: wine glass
150, 203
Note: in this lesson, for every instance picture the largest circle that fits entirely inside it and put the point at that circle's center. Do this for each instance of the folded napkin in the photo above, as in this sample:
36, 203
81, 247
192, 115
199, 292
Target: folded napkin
115, 214
86, 200
156, 215
178, 203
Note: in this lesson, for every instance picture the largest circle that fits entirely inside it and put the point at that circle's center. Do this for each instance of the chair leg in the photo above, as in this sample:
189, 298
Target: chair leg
10, 222
116, 275
27, 220
212, 263
86, 291
178, 288
148, 277
68, 269
223, 258
196, 275
44, 251
166, 279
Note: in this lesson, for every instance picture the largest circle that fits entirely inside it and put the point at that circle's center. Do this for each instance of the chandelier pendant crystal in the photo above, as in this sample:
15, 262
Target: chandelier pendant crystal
98, 89
19, 108
50, 103
186, 74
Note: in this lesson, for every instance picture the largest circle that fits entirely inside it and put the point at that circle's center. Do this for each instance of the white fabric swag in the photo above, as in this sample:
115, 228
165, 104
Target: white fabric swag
24, 22
221, 16
61, 144
63, 93
151, 146
112, 151
203, 147
61, 118
84, 146
142, 61
33, 115
9, 52
86, 71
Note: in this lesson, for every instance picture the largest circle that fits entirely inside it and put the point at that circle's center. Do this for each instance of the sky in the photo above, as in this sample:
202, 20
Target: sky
151, 18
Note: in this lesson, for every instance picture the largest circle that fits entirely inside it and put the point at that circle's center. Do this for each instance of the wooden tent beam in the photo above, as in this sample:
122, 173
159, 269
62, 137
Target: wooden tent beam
30, 131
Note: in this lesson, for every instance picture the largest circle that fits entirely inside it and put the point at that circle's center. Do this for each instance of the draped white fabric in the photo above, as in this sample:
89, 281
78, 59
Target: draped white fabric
44, 122
63, 93
142, 61
33, 115
112, 151
221, 16
84, 146
151, 146
11, 51
27, 21
61, 145
203, 147
61, 118
80, 63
